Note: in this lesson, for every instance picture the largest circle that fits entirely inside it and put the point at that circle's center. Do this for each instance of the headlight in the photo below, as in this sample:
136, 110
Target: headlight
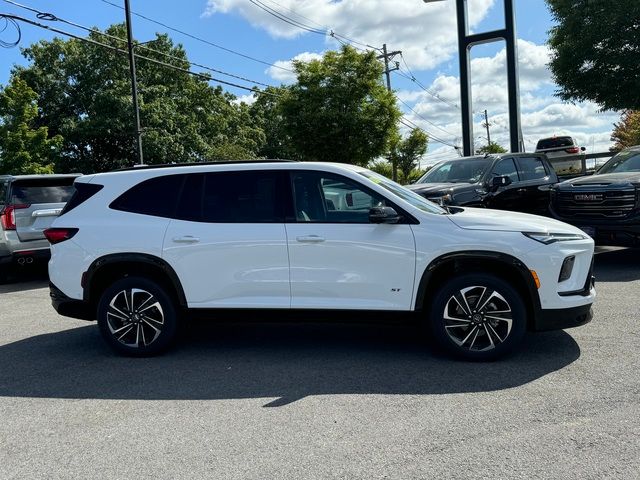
548, 238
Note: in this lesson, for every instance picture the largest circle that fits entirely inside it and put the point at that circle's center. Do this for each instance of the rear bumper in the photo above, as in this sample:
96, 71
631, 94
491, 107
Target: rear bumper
26, 257
70, 307
562, 318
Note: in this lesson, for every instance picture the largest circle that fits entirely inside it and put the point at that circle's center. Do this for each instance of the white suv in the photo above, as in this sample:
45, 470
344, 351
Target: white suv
142, 249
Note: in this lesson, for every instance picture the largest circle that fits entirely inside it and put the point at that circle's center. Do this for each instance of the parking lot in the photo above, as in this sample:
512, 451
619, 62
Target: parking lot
249, 400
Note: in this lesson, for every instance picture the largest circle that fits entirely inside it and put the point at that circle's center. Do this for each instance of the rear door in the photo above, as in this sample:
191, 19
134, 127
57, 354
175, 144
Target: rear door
37, 202
228, 242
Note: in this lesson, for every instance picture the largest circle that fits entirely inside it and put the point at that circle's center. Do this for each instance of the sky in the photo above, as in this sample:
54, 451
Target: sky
425, 33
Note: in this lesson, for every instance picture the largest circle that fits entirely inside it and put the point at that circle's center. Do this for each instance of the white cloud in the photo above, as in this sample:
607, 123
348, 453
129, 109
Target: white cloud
288, 76
424, 32
249, 99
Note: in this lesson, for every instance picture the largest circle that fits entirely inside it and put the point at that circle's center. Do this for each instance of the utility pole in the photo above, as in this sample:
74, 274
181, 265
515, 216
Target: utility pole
134, 83
486, 124
386, 56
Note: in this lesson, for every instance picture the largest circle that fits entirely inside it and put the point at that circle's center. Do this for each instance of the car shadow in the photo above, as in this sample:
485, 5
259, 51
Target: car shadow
280, 363
617, 265
16, 278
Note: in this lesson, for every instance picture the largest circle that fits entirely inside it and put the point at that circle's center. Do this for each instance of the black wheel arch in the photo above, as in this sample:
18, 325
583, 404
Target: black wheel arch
119, 265
494, 263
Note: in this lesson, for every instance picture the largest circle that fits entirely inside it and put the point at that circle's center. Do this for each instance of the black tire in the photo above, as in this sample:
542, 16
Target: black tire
489, 325
137, 317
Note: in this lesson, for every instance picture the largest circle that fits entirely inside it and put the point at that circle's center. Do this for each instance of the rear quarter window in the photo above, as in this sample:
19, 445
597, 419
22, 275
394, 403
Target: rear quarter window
4, 186
157, 197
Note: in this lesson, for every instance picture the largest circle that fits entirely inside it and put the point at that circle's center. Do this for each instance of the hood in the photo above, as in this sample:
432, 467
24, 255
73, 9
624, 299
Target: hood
602, 180
439, 188
503, 221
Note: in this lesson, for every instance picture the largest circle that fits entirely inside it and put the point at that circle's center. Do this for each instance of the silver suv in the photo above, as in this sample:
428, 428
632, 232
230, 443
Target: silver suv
28, 205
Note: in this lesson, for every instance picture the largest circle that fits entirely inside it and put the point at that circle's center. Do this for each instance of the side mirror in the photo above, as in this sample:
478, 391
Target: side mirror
502, 181
383, 215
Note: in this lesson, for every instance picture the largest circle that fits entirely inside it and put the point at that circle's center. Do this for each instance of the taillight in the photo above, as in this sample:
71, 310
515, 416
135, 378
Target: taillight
57, 235
8, 217
572, 150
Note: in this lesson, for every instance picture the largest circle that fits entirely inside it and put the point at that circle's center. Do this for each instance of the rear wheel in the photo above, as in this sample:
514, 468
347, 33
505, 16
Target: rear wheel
478, 317
137, 317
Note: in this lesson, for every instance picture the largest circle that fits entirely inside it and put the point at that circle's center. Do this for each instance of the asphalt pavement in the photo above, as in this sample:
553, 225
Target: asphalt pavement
245, 400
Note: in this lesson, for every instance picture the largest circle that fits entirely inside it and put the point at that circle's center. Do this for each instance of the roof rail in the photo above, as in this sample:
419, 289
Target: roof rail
197, 164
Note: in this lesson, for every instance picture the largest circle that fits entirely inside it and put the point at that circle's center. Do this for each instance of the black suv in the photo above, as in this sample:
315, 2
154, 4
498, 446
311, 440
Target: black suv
519, 182
606, 205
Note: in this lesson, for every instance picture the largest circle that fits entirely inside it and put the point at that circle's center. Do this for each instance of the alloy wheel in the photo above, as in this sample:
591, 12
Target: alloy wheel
135, 317
478, 318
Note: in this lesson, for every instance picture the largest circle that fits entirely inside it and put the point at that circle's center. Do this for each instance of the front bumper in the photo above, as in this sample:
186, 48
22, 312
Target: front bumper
69, 307
562, 318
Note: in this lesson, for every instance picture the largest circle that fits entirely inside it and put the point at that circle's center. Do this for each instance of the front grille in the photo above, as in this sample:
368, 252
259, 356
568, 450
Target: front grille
595, 204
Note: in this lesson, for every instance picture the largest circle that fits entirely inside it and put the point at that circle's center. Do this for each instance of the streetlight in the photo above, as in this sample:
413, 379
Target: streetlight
465, 43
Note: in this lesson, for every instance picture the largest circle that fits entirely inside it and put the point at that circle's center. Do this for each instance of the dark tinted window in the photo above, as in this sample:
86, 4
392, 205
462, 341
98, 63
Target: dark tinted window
506, 168
190, 205
42, 191
531, 168
83, 192
3, 192
157, 196
243, 197
556, 142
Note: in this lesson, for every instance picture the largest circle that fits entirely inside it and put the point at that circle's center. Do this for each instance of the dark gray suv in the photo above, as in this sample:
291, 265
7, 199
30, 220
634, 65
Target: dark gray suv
28, 205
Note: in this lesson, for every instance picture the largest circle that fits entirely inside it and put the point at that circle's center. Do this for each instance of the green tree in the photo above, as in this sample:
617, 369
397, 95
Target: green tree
339, 110
627, 132
24, 147
491, 147
268, 116
384, 167
408, 151
84, 94
595, 49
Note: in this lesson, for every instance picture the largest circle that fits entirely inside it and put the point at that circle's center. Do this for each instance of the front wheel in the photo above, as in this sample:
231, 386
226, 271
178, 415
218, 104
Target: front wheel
478, 317
137, 317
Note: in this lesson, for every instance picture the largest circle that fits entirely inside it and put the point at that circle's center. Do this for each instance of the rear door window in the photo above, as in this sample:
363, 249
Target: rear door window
243, 197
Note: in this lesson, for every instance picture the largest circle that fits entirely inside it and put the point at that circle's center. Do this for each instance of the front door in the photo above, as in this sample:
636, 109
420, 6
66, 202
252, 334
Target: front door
338, 259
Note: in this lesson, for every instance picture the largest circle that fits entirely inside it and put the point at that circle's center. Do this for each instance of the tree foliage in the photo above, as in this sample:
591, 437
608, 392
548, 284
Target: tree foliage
596, 47
84, 94
491, 147
384, 167
339, 110
406, 152
24, 147
268, 116
626, 133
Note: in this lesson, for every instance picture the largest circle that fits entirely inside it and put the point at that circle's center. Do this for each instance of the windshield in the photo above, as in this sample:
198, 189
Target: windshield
405, 194
628, 161
458, 171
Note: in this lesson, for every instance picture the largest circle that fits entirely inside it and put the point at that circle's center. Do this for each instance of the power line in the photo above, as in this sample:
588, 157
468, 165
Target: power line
152, 60
200, 39
407, 122
423, 118
324, 31
51, 17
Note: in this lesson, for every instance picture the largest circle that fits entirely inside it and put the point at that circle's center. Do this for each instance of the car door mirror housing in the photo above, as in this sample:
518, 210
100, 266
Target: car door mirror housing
383, 215
501, 181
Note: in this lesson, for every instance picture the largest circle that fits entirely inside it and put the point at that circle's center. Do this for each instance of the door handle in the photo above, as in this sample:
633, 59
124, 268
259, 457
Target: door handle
310, 239
522, 190
186, 239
